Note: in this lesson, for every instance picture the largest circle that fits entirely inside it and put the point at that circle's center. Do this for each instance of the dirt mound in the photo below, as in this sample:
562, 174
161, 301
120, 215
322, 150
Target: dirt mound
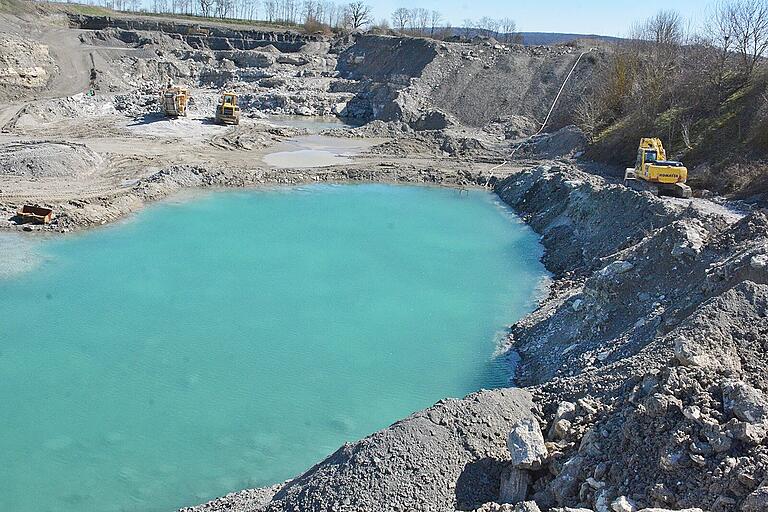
24, 64
46, 159
438, 458
567, 141
61, 110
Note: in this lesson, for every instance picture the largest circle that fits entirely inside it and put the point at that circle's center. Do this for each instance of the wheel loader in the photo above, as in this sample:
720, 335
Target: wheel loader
227, 111
174, 100
654, 173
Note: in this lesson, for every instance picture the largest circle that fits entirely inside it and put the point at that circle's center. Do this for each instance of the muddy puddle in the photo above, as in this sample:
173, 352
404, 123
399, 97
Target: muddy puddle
315, 151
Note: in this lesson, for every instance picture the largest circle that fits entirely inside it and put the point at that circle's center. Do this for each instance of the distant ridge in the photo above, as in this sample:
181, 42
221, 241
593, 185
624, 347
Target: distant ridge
529, 38
545, 38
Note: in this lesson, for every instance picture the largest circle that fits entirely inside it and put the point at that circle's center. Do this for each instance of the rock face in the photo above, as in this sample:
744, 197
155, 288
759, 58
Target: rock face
218, 38
401, 79
23, 65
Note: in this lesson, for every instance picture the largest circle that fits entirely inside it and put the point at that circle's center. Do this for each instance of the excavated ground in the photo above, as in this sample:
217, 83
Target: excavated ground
642, 375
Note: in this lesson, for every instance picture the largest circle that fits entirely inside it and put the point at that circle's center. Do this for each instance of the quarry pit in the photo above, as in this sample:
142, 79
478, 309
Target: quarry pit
640, 379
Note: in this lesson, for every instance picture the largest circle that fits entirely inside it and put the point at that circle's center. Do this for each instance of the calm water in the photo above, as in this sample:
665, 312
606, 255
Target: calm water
234, 339
315, 151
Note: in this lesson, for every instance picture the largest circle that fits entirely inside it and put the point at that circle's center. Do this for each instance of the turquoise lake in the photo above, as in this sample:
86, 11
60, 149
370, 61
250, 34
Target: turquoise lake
232, 339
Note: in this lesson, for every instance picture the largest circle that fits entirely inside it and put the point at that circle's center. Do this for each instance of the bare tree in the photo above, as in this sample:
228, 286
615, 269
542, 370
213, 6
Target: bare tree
469, 25
270, 10
588, 114
435, 18
750, 31
205, 7
508, 28
422, 20
401, 18
358, 14
489, 25
720, 36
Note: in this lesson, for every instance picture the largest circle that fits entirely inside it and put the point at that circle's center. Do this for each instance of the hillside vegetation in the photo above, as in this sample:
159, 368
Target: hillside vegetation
705, 95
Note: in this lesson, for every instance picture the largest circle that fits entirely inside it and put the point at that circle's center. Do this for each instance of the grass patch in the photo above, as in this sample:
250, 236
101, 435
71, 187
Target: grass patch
89, 10
15, 6
202, 20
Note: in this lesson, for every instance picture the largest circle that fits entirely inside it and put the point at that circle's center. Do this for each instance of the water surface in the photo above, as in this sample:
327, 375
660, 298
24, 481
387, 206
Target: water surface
315, 151
236, 339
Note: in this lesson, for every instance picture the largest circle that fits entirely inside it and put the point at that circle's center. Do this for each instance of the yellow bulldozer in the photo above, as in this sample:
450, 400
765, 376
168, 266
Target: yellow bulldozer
174, 100
227, 111
654, 173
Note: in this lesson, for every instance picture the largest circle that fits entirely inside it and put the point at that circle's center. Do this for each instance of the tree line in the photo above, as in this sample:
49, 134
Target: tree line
318, 15
687, 85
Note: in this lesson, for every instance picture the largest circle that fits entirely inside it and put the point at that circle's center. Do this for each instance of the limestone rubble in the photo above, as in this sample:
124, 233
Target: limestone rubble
642, 375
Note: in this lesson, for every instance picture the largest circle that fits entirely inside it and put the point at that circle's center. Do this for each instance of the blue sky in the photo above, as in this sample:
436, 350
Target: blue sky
575, 16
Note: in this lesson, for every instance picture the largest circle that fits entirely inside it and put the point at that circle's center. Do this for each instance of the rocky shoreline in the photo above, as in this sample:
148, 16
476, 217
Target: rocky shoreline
643, 374
78, 214
656, 322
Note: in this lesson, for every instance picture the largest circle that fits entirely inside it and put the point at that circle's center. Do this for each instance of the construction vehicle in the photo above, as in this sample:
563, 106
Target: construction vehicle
174, 100
35, 214
654, 173
227, 111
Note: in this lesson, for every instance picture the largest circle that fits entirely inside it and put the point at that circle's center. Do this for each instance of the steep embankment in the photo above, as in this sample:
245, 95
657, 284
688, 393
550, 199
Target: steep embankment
648, 362
215, 37
430, 84
662, 317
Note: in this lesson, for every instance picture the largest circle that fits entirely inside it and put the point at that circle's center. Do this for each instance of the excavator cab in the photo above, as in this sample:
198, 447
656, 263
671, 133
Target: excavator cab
654, 173
227, 111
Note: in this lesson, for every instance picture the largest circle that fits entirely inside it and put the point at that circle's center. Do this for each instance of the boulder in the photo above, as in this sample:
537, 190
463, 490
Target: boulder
745, 402
615, 268
623, 504
295, 60
526, 445
527, 506
433, 120
757, 501
689, 353
514, 485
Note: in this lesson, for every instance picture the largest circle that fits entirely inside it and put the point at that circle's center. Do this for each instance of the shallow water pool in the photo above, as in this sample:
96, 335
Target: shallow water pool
315, 151
233, 339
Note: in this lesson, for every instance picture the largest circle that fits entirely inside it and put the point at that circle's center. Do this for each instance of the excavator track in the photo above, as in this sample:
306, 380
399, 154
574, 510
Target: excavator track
680, 190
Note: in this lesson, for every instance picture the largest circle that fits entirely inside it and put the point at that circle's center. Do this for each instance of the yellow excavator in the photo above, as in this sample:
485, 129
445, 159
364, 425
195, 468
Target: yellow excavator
654, 173
227, 111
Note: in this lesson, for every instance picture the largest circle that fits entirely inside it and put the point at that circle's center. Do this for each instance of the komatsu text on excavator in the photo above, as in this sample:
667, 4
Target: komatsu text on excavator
654, 173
